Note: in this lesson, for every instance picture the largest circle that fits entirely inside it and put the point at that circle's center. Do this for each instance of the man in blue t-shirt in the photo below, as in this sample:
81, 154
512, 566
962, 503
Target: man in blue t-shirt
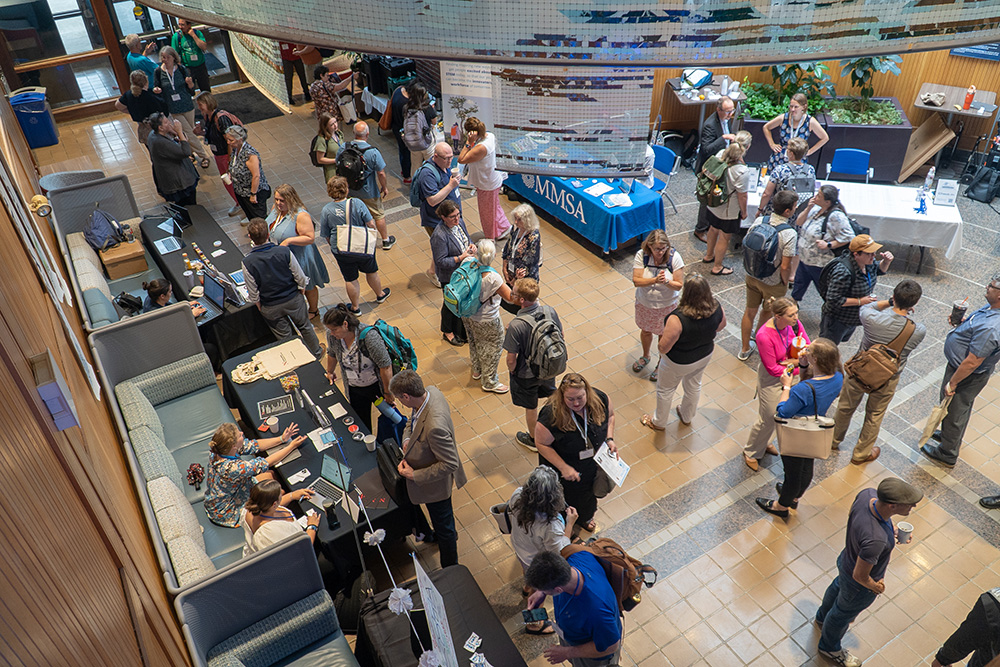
863, 562
138, 56
376, 185
586, 609
435, 183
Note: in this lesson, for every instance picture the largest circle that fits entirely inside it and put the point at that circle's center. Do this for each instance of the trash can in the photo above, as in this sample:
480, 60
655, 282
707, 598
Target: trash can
34, 116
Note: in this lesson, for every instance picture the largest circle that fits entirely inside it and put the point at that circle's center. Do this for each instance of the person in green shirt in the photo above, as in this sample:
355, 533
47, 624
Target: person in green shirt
191, 46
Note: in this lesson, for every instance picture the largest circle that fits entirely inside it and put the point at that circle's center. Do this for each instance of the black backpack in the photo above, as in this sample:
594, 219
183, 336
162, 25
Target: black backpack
352, 166
827, 272
858, 229
760, 248
985, 185
312, 152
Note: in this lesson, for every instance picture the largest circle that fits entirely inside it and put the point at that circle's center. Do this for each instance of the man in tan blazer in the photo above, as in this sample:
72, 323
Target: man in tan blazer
430, 464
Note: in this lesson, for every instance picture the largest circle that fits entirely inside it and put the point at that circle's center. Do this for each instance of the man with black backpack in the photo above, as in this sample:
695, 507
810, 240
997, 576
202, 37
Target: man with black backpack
768, 249
364, 168
846, 284
525, 335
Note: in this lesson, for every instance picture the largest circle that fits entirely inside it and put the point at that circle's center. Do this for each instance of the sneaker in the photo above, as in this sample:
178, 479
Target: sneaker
743, 356
388, 243
497, 389
434, 279
235, 210
842, 657
385, 295
407, 181
354, 311
525, 440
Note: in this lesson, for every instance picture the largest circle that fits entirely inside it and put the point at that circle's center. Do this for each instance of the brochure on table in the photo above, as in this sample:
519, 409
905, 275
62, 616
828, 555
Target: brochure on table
437, 618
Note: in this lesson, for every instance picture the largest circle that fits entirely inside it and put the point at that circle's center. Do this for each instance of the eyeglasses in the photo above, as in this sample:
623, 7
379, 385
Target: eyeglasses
454, 216
992, 286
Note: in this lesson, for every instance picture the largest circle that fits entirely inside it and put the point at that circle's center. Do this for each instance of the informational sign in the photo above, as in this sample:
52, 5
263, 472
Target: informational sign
273, 407
947, 191
466, 91
990, 51
437, 618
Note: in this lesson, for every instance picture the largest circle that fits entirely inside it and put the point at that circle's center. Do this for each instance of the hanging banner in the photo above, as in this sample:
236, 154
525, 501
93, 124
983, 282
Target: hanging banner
466, 91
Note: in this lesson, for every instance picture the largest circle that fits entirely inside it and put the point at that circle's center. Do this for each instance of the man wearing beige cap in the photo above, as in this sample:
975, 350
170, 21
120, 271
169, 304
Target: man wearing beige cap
862, 564
850, 285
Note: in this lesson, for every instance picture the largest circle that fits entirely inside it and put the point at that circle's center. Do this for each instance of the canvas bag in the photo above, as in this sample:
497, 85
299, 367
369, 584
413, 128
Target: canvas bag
874, 367
501, 514
806, 437
354, 241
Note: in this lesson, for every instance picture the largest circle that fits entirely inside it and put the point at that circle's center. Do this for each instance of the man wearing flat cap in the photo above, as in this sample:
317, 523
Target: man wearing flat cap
851, 285
861, 565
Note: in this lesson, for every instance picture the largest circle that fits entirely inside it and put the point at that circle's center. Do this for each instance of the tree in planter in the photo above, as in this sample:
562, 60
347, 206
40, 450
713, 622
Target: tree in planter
812, 79
863, 71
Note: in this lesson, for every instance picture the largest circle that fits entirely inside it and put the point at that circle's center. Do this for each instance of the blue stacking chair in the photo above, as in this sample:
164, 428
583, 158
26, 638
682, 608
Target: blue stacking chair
665, 162
851, 161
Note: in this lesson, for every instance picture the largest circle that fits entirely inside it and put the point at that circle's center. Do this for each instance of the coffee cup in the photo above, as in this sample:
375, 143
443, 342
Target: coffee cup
798, 344
958, 309
189, 278
370, 443
904, 532
227, 179
272, 424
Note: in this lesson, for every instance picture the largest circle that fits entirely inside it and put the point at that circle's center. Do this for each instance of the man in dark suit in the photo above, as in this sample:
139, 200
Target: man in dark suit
715, 135
431, 464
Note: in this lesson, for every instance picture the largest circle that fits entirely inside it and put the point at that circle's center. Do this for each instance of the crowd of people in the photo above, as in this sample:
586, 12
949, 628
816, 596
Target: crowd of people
798, 375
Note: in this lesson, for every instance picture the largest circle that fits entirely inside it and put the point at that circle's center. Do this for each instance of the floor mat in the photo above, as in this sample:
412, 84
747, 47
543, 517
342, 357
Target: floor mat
248, 104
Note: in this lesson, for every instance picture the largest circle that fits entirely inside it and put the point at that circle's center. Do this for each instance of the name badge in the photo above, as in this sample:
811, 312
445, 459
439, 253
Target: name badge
176, 97
587, 453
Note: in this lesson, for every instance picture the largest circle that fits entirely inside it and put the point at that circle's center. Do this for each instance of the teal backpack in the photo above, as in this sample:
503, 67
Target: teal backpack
399, 346
463, 292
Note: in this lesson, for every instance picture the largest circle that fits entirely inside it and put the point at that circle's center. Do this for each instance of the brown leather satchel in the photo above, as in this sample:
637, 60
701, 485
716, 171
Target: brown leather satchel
874, 367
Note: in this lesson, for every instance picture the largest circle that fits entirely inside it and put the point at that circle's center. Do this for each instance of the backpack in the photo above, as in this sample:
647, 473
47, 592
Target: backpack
546, 354
416, 131
646, 259
855, 226
625, 573
801, 182
103, 231
415, 187
874, 367
827, 272
231, 117
708, 190
313, 158
399, 346
985, 185
760, 248
463, 293
351, 165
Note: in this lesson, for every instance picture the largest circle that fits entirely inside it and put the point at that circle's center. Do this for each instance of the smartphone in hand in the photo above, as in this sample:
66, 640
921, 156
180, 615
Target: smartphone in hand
535, 615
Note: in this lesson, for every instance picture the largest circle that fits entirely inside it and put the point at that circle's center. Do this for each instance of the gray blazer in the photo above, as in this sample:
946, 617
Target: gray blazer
445, 248
172, 168
432, 452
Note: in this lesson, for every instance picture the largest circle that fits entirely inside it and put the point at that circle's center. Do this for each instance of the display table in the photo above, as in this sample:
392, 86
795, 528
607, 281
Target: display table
888, 210
373, 101
674, 85
587, 214
240, 327
954, 95
384, 637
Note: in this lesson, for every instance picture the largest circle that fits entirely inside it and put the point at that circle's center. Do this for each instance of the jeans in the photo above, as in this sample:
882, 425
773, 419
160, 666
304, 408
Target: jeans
443, 520
843, 601
804, 275
295, 309
798, 476
835, 330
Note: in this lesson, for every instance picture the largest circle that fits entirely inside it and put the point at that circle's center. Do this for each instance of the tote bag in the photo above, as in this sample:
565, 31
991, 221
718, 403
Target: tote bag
353, 240
806, 437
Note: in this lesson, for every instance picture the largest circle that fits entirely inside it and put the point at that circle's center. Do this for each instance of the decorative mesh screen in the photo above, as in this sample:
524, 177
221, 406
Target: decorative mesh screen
260, 58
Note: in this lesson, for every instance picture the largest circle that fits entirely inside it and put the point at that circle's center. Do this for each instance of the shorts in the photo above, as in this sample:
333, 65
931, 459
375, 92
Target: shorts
758, 292
651, 320
351, 266
375, 207
525, 392
724, 226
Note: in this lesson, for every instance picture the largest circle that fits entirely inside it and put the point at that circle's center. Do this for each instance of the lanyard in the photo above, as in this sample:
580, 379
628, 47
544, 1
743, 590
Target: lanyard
231, 458
583, 431
885, 521
278, 518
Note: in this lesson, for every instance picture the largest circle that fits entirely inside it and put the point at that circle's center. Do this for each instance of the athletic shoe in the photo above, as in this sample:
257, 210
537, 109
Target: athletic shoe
434, 279
842, 657
525, 440
743, 356
476, 376
354, 311
388, 243
385, 295
235, 210
407, 181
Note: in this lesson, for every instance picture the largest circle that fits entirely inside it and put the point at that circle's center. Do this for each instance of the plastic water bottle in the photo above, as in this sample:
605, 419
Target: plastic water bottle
929, 179
390, 412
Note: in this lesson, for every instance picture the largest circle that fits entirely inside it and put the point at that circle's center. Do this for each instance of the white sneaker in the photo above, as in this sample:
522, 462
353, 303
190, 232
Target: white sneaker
842, 657
743, 356
434, 279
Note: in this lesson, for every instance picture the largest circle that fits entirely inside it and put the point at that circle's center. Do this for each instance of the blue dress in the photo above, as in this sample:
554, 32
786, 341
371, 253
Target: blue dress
307, 255
785, 134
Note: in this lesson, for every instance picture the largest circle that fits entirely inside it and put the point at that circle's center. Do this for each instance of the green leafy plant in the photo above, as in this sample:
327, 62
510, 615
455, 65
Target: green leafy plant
854, 111
812, 79
762, 101
863, 71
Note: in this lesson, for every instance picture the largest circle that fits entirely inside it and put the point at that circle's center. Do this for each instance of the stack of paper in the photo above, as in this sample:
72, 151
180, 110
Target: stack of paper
283, 358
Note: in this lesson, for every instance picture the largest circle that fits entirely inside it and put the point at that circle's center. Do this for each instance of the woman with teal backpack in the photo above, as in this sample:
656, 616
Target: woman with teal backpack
484, 328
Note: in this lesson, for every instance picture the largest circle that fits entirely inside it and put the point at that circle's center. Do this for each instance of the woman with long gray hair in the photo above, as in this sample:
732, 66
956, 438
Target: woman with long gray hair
538, 524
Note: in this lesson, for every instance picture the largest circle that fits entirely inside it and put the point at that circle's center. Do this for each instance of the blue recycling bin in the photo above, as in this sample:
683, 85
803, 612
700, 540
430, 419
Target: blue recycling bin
35, 117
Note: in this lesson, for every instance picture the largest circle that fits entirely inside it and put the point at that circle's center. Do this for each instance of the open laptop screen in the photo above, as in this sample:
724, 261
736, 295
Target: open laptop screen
214, 291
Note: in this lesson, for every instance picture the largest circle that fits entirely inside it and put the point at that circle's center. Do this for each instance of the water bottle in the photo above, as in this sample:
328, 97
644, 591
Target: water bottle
929, 179
390, 412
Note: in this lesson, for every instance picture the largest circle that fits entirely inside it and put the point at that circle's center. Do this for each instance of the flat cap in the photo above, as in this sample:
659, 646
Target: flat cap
895, 490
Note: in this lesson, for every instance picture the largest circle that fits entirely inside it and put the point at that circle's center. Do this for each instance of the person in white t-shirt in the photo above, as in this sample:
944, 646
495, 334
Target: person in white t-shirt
658, 275
485, 329
480, 155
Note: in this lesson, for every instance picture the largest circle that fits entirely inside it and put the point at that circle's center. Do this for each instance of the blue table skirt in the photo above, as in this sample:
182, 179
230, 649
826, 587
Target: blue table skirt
607, 227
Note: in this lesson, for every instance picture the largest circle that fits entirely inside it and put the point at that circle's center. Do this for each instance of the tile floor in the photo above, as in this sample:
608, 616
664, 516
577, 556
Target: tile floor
736, 586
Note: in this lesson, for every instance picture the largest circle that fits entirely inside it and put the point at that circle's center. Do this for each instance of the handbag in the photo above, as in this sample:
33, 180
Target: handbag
385, 122
129, 303
388, 456
501, 514
354, 240
603, 484
805, 437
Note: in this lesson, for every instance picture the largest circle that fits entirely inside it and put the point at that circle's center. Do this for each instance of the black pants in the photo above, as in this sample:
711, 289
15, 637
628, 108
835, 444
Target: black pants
290, 67
798, 476
186, 197
452, 323
362, 399
258, 210
200, 75
443, 520
405, 165
702, 224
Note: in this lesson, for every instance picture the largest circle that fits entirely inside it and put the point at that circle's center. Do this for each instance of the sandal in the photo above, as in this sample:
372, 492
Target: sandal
591, 526
205, 163
708, 261
640, 364
647, 421
724, 271
546, 629
313, 313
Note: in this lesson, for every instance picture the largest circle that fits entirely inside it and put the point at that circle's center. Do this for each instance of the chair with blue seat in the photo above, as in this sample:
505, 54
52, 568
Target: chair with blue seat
851, 161
665, 162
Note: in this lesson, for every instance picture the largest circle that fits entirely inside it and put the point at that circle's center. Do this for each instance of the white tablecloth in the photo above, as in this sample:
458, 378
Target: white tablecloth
372, 101
888, 210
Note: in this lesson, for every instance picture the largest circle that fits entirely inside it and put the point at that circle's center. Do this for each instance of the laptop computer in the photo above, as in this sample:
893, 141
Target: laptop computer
213, 301
179, 214
334, 480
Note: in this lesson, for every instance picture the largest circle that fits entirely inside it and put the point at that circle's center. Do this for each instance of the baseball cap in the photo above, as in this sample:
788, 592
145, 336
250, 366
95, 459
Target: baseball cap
864, 243
895, 490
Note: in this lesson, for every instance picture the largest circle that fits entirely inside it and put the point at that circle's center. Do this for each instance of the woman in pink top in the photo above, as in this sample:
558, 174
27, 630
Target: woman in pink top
775, 345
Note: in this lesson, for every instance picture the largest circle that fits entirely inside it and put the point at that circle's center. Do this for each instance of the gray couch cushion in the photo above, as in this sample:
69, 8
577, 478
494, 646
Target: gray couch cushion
183, 458
176, 380
158, 462
100, 310
193, 418
190, 561
174, 513
334, 651
278, 636
136, 408
223, 545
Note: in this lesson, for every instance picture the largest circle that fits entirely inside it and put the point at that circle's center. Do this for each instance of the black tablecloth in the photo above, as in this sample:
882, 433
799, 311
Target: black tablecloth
240, 327
384, 637
364, 469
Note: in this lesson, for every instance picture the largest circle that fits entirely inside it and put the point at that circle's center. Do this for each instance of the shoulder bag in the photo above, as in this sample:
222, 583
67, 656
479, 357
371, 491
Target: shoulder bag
874, 367
806, 437
354, 240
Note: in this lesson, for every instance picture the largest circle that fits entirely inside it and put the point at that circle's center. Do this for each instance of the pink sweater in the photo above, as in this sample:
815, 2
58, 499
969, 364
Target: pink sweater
773, 346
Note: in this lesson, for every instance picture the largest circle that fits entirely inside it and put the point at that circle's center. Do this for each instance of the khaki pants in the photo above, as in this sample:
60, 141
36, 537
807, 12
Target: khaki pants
768, 397
878, 402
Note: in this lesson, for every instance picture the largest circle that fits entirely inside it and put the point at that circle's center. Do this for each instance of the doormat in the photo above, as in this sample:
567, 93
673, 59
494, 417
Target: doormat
248, 104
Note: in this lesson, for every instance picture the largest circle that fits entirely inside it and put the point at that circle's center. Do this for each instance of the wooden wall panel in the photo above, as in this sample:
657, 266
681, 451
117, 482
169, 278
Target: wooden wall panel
931, 66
